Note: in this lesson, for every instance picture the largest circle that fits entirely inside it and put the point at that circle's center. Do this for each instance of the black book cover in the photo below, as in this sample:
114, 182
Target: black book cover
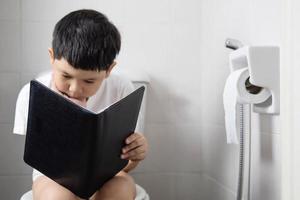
73, 146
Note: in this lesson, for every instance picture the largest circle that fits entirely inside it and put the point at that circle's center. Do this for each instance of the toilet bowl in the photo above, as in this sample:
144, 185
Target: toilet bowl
138, 78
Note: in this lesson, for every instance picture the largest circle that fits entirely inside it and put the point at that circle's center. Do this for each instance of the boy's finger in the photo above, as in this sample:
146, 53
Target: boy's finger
134, 153
132, 137
136, 143
138, 157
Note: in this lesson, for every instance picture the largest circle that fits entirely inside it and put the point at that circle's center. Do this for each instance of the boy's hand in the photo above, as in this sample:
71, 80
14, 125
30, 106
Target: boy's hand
136, 147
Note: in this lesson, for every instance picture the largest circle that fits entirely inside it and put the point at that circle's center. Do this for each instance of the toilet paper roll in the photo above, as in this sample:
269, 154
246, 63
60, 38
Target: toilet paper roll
235, 93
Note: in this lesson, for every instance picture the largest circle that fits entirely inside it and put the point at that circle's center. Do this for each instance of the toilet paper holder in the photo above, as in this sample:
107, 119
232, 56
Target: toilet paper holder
263, 64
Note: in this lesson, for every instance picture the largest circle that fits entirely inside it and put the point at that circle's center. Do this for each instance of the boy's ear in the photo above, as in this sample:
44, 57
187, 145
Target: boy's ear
51, 55
110, 68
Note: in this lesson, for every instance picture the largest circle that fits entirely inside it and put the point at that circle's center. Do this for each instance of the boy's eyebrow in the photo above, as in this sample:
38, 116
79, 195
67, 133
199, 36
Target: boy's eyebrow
64, 72
88, 79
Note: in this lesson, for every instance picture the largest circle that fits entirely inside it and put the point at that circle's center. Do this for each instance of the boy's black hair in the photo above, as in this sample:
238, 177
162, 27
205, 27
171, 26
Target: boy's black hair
86, 39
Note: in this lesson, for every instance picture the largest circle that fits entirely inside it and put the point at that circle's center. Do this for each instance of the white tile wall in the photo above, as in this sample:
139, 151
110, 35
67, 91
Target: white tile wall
13, 187
177, 186
190, 11
266, 167
268, 21
9, 88
111, 8
265, 155
152, 50
220, 159
269, 123
290, 104
176, 154
36, 39
136, 11
9, 10
27, 77
215, 190
180, 44
35, 10
11, 153
9, 45
157, 185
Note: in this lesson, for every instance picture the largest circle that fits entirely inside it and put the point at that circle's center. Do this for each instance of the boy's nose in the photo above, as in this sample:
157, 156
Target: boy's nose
75, 90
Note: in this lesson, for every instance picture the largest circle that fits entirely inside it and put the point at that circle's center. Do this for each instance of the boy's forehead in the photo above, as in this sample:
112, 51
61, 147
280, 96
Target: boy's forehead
63, 66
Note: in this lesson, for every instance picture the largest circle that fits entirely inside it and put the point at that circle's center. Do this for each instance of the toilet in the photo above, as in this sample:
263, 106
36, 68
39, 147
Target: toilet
138, 79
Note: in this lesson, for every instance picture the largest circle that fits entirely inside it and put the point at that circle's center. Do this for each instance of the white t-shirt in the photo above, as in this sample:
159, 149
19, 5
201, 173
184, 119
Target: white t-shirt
112, 89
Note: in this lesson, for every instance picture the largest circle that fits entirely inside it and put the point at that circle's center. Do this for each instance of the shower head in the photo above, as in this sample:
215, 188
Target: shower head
233, 43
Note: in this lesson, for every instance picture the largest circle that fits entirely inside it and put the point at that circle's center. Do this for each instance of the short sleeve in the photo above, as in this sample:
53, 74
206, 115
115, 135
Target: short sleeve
21, 111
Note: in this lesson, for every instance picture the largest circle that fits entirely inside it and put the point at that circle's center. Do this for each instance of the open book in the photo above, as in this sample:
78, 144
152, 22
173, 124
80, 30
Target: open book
73, 146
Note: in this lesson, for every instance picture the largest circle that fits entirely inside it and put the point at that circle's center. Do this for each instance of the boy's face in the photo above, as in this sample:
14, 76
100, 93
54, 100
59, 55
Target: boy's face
76, 83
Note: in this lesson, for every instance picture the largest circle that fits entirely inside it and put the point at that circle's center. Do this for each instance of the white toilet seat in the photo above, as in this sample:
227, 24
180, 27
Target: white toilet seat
141, 194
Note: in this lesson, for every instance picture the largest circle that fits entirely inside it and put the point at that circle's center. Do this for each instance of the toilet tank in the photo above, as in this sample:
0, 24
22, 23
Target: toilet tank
139, 78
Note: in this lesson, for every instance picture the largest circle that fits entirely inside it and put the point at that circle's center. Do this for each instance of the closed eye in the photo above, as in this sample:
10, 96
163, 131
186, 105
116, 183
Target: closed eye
89, 81
66, 76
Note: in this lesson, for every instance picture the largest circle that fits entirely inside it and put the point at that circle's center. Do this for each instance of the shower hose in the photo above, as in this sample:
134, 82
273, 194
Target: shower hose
241, 159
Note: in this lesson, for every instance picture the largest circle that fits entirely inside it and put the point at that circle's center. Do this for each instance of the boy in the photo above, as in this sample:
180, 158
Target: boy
84, 47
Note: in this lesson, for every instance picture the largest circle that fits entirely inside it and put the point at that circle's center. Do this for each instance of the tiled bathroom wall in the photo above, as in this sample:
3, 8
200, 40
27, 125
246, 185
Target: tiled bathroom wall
290, 97
180, 44
14, 175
